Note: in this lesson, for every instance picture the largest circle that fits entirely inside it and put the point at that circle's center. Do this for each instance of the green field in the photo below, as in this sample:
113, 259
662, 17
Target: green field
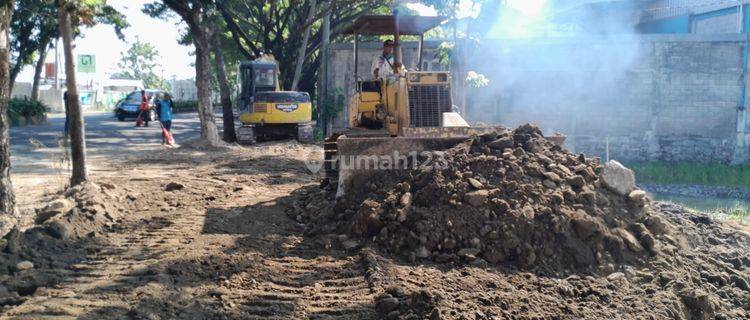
692, 173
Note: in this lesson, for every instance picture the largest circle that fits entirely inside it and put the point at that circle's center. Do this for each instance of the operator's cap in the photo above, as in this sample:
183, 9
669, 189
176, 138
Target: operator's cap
388, 43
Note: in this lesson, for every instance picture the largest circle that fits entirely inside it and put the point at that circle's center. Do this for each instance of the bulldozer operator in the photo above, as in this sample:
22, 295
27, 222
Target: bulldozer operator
382, 66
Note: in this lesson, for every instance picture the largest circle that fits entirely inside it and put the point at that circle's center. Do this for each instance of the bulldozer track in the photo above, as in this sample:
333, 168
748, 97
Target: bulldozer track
311, 288
303, 282
118, 267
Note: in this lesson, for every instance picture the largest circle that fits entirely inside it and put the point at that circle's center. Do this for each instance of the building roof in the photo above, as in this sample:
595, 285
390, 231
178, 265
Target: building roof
585, 9
259, 63
385, 25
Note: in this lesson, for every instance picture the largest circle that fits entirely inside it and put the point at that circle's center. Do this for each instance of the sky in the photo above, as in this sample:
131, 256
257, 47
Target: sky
175, 59
102, 42
466, 8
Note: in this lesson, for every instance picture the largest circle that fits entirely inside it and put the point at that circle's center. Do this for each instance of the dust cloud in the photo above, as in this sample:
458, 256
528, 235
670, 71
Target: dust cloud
566, 67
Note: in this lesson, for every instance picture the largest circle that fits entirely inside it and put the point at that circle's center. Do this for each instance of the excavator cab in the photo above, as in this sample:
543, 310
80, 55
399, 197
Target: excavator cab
266, 111
255, 76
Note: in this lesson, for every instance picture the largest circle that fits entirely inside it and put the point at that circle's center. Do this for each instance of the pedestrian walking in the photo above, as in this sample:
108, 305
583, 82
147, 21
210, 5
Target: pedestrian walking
165, 108
145, 107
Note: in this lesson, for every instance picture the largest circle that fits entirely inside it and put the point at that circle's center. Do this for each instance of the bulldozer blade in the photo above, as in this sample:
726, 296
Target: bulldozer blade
358, 157
352, 159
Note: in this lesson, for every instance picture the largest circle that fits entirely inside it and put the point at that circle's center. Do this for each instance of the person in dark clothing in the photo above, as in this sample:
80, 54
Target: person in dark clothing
66, 105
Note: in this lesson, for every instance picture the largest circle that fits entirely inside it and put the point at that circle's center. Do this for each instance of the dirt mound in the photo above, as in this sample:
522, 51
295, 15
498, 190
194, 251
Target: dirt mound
82, 211
29, 258
509, 197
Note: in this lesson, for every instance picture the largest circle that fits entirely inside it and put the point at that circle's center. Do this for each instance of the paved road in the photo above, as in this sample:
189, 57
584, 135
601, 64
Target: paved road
36, 149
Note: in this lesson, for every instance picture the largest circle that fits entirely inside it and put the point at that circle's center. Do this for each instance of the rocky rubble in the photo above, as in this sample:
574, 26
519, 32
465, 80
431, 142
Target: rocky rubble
395, 303
510, 197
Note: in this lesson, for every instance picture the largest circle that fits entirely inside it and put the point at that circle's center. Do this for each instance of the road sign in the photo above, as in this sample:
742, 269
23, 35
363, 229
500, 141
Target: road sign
86, 63
49, 70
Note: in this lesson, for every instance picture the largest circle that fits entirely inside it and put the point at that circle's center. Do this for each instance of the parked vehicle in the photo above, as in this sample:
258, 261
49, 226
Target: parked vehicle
129, 107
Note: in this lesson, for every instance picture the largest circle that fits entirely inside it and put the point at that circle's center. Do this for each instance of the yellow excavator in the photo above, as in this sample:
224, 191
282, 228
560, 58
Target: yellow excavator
405, 113
266, 111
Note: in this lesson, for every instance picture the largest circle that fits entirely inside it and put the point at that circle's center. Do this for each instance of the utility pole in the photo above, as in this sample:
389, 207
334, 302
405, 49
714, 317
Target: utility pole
323, 78
303, 46
57, 64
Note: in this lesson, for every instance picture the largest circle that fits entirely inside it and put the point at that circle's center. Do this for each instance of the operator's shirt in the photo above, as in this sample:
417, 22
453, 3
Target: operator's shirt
384, 65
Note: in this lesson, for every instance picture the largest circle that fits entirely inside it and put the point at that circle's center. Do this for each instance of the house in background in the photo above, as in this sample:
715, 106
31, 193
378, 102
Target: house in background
183, 90
656, 16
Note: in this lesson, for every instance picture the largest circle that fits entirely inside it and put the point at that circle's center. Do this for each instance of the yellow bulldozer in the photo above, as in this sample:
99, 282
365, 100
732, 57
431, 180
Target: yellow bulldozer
266, 111
406, 112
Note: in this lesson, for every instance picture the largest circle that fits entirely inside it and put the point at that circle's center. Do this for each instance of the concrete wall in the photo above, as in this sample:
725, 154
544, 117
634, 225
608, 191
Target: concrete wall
655, 97
183, 90
47, 94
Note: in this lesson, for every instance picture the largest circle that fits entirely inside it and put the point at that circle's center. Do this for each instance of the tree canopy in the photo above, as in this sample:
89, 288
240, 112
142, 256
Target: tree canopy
139, 62
277, 28
35, 24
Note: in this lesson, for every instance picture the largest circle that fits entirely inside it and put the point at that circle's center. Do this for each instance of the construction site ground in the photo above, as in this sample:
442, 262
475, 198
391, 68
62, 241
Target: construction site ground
220, 245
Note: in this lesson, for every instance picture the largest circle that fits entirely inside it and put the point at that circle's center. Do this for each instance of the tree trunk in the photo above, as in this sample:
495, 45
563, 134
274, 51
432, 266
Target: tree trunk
77, 131
6, 187
192, 13
303, 46
209, 131
224, 89
38, 71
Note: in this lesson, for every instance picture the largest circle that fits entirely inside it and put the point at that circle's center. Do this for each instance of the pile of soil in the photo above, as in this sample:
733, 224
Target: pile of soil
82, 211
510, 197
512, 202
32, 258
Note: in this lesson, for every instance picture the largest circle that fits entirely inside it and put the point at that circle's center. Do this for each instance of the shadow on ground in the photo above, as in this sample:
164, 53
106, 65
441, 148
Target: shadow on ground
270, 272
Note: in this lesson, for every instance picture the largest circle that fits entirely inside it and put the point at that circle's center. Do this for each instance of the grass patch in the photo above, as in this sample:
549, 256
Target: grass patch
185, 106
739, 214
692, 173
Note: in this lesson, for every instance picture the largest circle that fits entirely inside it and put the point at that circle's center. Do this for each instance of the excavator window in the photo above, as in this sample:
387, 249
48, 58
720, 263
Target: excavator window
370, 86
265, 77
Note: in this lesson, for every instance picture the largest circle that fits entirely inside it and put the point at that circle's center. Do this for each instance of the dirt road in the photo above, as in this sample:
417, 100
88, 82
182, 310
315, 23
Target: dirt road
221, 247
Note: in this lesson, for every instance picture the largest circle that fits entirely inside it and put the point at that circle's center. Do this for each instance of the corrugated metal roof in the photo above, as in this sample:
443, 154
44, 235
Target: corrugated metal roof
386, 25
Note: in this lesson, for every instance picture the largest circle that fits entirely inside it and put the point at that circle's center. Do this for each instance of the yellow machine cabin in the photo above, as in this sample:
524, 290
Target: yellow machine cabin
405, 98
265, 111
395, 104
